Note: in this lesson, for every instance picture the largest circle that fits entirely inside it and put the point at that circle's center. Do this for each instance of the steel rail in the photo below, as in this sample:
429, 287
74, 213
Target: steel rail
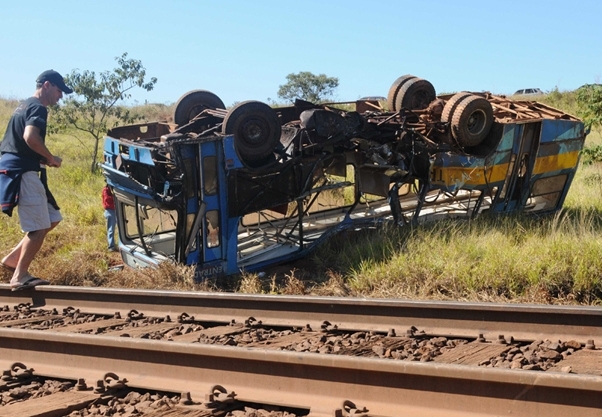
453, 319
320, 383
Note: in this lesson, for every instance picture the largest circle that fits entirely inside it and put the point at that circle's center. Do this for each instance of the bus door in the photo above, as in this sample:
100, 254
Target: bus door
211, 232
515, 190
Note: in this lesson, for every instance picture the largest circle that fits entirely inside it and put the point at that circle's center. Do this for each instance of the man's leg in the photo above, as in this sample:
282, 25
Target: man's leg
12, 259
27, 249
110, 214
37, 218
31, 244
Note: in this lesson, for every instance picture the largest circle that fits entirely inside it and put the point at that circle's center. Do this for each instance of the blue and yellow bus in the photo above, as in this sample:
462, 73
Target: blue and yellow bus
239, 189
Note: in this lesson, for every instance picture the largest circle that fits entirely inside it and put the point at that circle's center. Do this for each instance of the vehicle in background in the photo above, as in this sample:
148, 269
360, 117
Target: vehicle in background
373, 98
529, 92
239, 189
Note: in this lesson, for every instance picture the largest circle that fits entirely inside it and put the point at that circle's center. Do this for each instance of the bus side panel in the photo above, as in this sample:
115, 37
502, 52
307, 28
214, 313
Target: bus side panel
557, 159
452, 172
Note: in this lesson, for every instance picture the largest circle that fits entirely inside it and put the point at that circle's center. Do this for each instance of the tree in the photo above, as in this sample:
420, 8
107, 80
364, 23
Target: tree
589, 99
307, 86
93, 107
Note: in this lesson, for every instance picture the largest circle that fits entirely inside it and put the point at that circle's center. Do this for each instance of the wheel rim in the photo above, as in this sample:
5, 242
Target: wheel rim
196, 111
420, 100
253, 131
476, 122
256, 129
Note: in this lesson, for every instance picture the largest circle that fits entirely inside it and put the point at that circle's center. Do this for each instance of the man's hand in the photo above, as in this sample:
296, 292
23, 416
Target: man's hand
55, 162
34, 141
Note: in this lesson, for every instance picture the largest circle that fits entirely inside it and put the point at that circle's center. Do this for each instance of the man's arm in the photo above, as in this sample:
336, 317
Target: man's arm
34, 141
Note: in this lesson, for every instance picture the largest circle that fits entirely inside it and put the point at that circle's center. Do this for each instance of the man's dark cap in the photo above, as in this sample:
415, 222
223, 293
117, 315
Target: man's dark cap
56, 79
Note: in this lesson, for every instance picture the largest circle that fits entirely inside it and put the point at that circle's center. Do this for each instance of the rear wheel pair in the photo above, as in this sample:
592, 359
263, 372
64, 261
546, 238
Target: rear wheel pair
410, 92
254, 124
470, 118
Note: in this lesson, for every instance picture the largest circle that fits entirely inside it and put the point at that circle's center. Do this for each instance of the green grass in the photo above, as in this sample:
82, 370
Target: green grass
554, 260
503, 258
567, 101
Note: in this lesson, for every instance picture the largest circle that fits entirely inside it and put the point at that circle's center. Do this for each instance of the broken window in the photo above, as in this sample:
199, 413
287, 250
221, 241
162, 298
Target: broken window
546, 192
158, 227
212, 224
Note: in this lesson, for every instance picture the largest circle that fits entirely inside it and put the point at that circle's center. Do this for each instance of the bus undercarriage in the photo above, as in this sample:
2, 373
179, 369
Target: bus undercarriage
240, 189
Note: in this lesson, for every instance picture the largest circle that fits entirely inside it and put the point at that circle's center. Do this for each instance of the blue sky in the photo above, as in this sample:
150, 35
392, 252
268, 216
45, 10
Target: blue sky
243, 49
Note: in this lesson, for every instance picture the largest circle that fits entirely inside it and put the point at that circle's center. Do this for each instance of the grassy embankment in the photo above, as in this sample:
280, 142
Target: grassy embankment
557, 259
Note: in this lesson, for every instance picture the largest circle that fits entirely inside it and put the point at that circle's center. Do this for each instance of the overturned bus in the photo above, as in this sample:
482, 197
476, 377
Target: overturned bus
244, 188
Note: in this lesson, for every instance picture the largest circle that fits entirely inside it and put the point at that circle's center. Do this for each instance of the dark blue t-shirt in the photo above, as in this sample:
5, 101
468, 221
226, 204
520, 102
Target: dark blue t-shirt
29, 113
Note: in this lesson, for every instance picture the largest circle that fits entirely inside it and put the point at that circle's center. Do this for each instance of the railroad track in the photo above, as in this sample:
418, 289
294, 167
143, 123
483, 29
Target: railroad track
324, 356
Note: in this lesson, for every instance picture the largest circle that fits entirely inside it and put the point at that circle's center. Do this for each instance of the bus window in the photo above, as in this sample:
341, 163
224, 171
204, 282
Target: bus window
212, 224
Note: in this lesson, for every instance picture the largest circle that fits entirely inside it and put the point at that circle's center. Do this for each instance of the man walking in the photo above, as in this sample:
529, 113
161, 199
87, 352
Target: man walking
23, 161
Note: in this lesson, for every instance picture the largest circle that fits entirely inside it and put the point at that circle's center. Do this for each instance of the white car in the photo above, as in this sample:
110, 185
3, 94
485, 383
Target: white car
528, 92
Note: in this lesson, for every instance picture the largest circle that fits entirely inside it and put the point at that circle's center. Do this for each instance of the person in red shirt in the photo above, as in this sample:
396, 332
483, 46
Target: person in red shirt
108, 204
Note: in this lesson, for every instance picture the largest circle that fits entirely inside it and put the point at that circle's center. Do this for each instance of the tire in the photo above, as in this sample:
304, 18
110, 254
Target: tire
415, 94
395, 89
472, 120
256, 131
451, 105
193, 103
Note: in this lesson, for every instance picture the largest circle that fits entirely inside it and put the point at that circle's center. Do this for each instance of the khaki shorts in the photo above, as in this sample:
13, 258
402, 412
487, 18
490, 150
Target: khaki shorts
35, 213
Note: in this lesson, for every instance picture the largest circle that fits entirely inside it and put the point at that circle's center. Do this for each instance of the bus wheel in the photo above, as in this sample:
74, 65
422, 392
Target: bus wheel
256, 130
472, 120
394, 90
415, 94
451, 105
193, 103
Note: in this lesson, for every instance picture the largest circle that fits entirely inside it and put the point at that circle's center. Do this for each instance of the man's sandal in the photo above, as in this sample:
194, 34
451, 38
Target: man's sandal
29, 283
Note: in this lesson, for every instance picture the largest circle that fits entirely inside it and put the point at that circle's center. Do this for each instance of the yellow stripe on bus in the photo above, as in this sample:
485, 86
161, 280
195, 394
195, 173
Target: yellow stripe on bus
480, 175
461, 176
556, 162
